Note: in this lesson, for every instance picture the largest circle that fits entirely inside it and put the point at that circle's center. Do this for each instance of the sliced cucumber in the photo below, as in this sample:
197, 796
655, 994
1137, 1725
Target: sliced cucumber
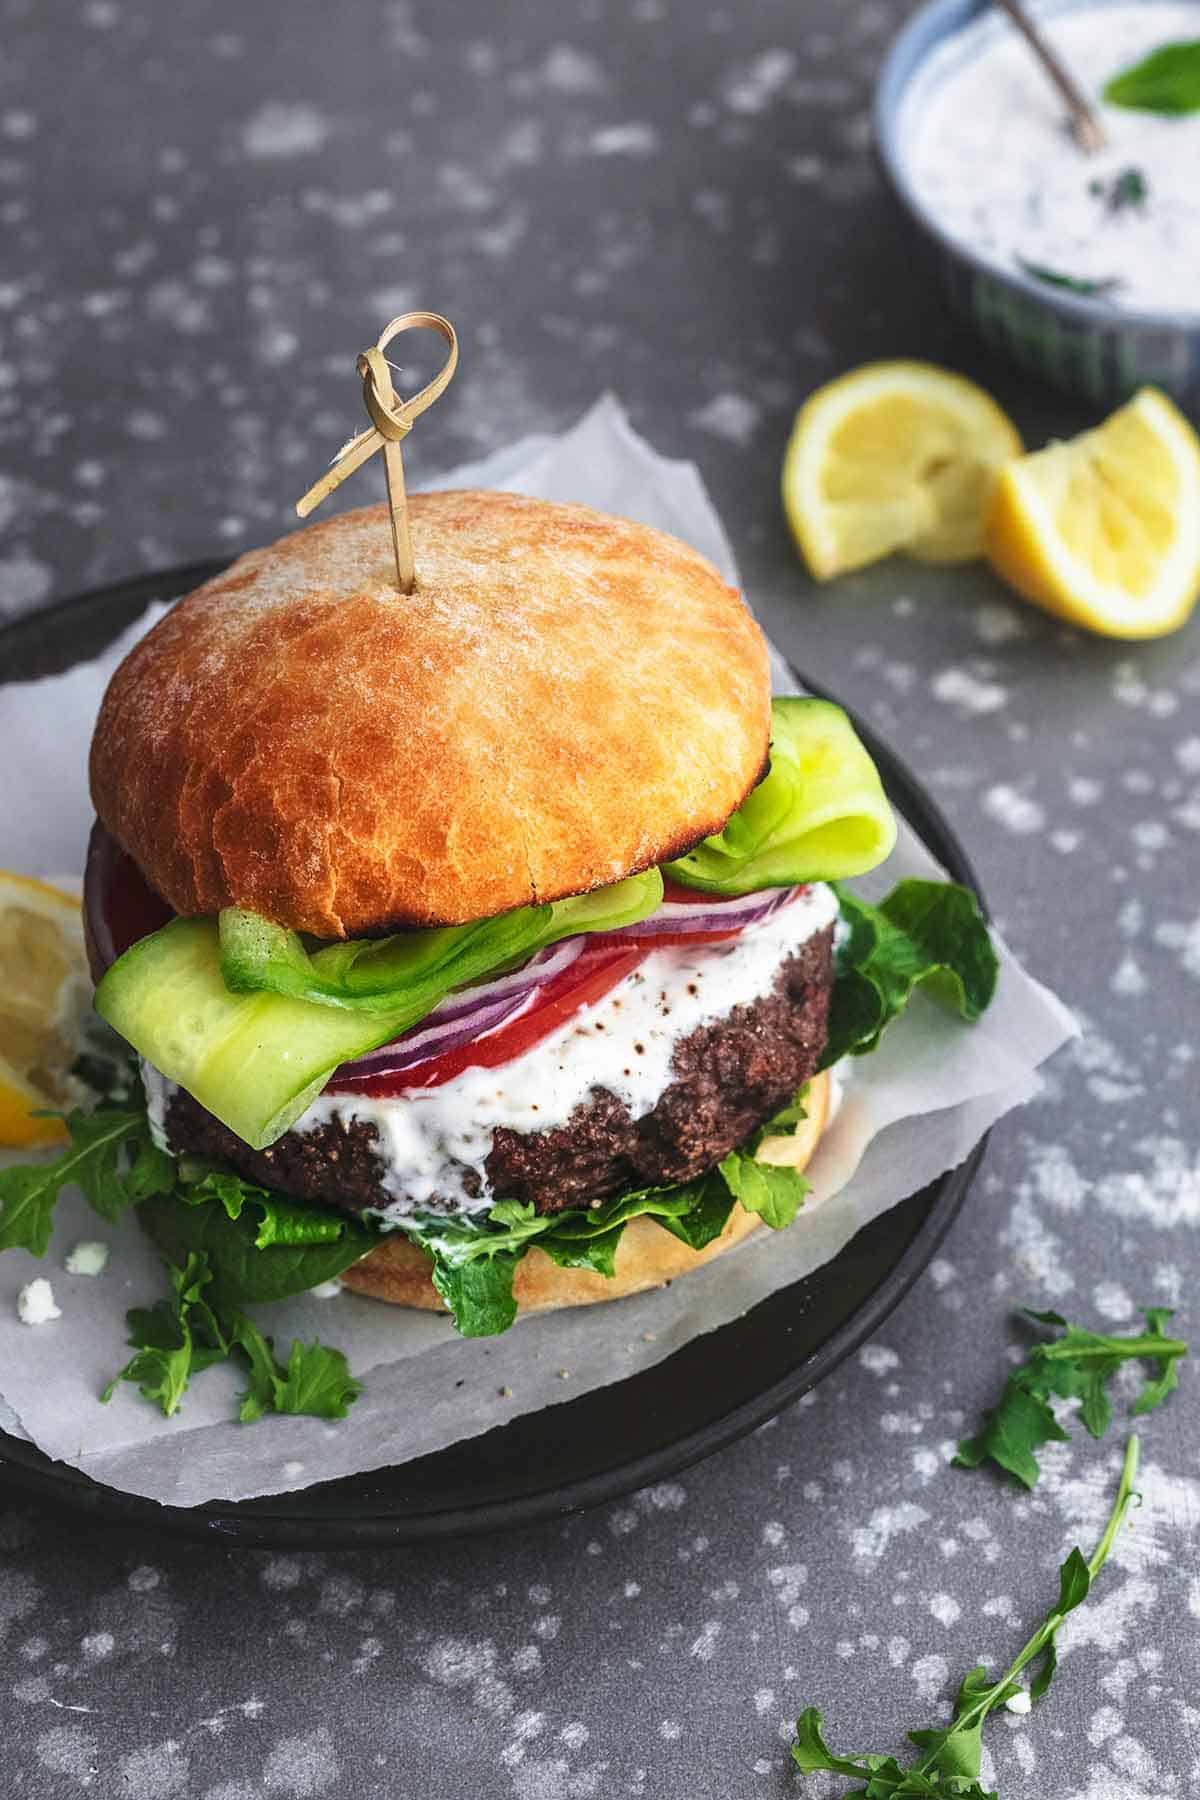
254, 1060
820, 815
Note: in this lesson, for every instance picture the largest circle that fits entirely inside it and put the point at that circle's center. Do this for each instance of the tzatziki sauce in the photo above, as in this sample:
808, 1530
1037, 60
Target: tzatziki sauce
429, 1139
985, 140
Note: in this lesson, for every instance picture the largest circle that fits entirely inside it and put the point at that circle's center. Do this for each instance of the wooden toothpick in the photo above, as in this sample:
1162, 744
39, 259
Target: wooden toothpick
391, 421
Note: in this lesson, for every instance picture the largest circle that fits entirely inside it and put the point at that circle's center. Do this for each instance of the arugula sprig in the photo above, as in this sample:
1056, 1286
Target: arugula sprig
111, 1156
182, 1336
951, 1754
1078, 1365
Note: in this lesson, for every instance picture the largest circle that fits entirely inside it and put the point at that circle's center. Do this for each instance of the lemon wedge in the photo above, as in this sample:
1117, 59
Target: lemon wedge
45, 996
1105, 530
894, 456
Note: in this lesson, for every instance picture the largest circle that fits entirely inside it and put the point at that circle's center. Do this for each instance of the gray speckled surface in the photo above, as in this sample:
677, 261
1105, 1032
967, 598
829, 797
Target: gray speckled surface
204, 212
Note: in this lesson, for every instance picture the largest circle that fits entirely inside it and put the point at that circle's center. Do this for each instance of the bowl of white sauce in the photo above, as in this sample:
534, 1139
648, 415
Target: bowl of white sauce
1083, 268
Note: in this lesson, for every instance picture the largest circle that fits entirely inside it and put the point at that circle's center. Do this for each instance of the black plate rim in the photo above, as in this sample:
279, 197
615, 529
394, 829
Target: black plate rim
250, 1524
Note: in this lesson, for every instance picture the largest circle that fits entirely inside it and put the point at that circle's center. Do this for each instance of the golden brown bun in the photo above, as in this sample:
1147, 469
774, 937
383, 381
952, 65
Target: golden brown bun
647, 1256
565, 699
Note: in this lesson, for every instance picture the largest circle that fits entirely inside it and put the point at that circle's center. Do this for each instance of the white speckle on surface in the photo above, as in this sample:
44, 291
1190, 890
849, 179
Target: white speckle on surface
144, 1579
754, 87
1165, 1195
569, 71
1013, 809
1127, 978
869, 1541
301, 1767
69, 1750
98, 1645
878, 1359
730, 416
704, 1645
1020, 1702
35, 1303
89, 1257
945, 1609
958, 687
24, 582
1174, 935
930, 1674
284, 128
636, 138
1112, 1302
155, 1771
1083, 790
670, 1729
997, 624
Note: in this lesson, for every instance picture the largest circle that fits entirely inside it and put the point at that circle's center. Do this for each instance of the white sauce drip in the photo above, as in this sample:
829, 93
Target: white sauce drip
984, 137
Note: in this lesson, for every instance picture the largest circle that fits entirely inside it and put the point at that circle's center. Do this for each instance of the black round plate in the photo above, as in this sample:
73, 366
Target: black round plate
585, 1451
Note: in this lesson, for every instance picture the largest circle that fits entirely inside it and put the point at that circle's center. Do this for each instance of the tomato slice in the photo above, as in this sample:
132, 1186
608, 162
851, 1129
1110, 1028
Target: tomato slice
593, 973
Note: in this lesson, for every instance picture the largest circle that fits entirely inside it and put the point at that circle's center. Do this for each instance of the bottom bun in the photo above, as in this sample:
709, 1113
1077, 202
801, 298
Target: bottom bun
647, 1256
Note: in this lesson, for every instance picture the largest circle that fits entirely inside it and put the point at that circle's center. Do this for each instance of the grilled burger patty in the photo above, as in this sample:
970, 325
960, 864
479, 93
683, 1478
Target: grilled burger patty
730, 1077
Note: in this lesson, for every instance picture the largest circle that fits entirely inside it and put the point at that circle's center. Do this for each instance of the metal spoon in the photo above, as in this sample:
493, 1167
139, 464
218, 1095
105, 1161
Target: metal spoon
1085, 126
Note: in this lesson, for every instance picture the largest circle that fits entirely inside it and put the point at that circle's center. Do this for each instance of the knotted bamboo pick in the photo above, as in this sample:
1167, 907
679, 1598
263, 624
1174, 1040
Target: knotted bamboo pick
391, 421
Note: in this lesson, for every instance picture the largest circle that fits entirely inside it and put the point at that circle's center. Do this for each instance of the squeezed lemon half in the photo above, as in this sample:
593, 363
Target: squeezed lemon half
1104, 530
45, 997
894, 456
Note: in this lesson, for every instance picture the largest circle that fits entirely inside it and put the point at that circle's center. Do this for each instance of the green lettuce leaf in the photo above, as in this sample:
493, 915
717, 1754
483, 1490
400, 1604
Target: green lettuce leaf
819, 814
928, 933
1166, 81
243, 1271
417, 969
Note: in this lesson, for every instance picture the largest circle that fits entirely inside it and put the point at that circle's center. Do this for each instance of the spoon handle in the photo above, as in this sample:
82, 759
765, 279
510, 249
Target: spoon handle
1085, 126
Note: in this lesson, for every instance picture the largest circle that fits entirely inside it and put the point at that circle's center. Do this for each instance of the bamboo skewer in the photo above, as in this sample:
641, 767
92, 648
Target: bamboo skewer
391, 421
1085, 126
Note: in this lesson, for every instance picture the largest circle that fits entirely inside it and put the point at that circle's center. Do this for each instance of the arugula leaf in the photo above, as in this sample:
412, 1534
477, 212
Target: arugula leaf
316, 1381
1072, 284
180, 1337
173, 1340
1166, 81
819, 813
478, 1293
1078, 1365
924, 933
950, 1756
98, 1160
771, 1190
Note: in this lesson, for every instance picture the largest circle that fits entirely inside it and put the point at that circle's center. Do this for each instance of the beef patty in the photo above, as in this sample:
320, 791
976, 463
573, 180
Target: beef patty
730, 1077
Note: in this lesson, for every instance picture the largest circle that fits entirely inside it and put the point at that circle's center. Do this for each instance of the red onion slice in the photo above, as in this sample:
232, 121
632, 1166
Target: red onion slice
542, 967
431, 1039
679, 918
468, 1014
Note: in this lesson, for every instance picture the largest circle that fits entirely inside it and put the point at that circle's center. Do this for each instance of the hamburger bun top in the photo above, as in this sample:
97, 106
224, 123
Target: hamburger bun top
564, 699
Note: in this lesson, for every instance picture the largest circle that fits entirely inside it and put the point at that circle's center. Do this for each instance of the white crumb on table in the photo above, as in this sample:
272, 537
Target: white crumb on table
35, 1303
89, 1257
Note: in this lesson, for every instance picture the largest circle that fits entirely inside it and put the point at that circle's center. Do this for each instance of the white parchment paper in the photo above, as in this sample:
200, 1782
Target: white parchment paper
911, 1111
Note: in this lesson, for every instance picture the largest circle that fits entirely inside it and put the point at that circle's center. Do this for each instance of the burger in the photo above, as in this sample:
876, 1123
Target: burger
480, 946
